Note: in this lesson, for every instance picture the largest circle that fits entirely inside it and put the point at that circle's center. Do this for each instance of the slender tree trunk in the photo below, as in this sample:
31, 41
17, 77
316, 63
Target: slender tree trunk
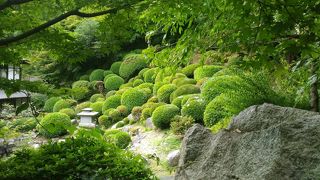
314, 95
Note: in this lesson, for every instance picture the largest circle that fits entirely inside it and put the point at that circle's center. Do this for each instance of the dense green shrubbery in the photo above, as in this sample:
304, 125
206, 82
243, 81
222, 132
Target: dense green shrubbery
188, 70
156, 87
84, 77
180, 124
107, 72
63, 103
23, 124
146, 85
110, 93
162, 115
97, 106
81, 84
189, 96
184, 89
165, 91
115, 115
48, 105
80, 93
194, 108
54, 125
81, 106
105, 121
183, 81
123, 110
68, 111
117, 137
132, 64
137, 82
111, 102
150, 75
115, 67
133, 97
77, 158
109, 75
94, 97
97, 75
206, 71
113, 83
38, 100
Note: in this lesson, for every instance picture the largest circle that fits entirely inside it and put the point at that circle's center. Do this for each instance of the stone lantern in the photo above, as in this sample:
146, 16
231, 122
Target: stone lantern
87, 118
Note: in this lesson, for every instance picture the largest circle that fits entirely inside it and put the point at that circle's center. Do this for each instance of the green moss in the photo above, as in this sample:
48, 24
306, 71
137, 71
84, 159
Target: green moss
133, 97
113, 83
54, 125
112, 102
132, 64
115, 67
184, 89
94, 97
97, 75
206, 71
165, 91
49, 104
162, 115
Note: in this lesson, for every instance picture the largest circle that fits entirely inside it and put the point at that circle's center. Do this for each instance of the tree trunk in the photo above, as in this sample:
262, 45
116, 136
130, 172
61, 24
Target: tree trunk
314, 95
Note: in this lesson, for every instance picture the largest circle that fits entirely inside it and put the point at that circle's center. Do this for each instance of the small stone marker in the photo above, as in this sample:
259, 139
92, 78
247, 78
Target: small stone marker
86, 118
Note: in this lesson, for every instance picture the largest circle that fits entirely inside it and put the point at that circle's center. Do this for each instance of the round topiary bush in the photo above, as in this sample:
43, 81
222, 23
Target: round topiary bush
80, 93
97, 75
48, 105
38, 100
109, 75
105, 121
132, 64
123, 110
81, 106
68, 111
156, 87
63, 103
180, 124
113, 83
81, 84
115, 115
110, 93
146, 113
117, 137
188, 70
84, 77
107, 72
150, 75
115, 67
120, 124
97, 106
182, 81
111, 102
162, 115
133, 97
137, 82
184, 89
146, 85
194, 107
54, 125
94, 97
165, 91
206, 71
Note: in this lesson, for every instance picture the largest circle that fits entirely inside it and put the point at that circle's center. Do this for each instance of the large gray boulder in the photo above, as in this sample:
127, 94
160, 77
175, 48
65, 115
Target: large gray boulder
264, 142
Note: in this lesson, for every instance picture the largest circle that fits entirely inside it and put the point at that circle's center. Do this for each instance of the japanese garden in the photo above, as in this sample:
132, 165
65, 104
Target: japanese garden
156, 89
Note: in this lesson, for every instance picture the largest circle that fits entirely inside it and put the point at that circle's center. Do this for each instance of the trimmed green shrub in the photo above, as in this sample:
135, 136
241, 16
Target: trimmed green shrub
162, 115
113, 83
194, 108
68, 111
153, 99
105, 121
183, 81
120, 124
54, 125
179, 75
38, 100
133, 97
122, 90
206, 71
165, 91
188, 70
123, 110
107, 76
81, 106
117, 137
112, 102
107, 72
140, 74
137, 82
136, 111
94, 97
83, 157
23, 124
184, 89
177, 101
150, 75
156, 87
84, 77
63, 103
146, 113
97, 106
106, 112
146, 85
48, 105
115, 115
81, 84
80, 93
97, 75
115, 67
126, 121
126, 85
190, 96
110, 93
180, 124
152, 105
164, 72
132, 64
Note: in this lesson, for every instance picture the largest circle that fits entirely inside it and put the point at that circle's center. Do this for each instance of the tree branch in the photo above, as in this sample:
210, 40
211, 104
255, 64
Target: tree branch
76, 12
10, 3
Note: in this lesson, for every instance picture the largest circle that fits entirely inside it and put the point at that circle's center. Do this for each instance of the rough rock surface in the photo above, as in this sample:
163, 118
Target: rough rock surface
173, 158
263, 142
